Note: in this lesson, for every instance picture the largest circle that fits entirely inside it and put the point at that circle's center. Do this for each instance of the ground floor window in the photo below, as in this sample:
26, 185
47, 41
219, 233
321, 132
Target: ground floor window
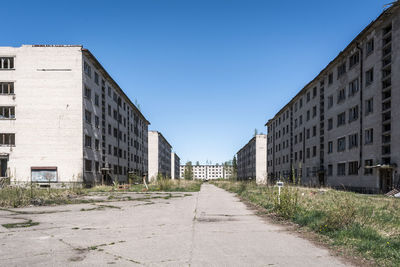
353, 168
341, 169
44, 174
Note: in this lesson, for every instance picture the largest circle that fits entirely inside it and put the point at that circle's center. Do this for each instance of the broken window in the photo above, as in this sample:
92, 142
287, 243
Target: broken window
6, 88
7, 112
6, 63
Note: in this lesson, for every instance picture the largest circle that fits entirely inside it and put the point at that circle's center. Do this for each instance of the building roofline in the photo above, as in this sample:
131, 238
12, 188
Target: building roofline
344, 51
250, 141
160, 134
112, 81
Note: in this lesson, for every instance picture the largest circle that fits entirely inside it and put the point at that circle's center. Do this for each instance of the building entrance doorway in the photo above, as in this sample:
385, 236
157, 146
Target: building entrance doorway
321, 178
385, 180
3, 166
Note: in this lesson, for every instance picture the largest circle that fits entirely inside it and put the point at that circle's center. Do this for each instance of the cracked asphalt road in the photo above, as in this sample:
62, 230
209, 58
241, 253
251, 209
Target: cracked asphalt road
209, 228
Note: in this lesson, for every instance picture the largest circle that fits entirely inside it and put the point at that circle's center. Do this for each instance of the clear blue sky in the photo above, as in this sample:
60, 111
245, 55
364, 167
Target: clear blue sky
206, 73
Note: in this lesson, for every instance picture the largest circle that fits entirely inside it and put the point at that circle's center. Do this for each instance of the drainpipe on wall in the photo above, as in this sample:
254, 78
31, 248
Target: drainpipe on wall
361, 104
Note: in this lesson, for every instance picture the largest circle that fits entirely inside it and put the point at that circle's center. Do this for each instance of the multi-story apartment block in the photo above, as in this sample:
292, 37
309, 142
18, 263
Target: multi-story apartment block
342, 129
159, 156
209, 172
252, 160
175, 165
64, 119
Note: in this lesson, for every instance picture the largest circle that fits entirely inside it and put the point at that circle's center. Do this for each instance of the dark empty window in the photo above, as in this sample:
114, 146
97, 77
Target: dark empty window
88, 165
7, 113
7, 139
6, 88
341, 70
341, 144
370, 47
341, 169
88, 116
354, 59
353, 168
6, 63
369, 77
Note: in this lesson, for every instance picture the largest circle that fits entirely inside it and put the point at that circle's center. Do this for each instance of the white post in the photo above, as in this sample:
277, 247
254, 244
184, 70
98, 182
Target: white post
279, 196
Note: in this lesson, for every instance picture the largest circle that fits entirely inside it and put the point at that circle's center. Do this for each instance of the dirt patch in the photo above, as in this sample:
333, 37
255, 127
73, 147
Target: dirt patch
28, 223
216, 219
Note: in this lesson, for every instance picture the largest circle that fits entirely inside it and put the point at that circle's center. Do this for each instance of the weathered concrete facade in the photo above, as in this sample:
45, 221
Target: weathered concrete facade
70, 118
209, 172
252, 160
342, 128
175, 165
159, 155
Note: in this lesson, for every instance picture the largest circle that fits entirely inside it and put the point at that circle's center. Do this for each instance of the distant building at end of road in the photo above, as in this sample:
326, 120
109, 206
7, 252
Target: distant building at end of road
209, 172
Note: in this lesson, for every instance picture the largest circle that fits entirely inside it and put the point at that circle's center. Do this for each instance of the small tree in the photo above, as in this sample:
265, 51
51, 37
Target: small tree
234, 167
197, 163
188, 173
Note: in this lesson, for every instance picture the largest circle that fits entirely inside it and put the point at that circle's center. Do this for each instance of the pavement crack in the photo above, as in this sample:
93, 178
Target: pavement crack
193, 229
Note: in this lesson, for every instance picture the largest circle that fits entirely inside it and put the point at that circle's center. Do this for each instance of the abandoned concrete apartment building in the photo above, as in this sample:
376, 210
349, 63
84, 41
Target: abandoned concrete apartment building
343, 128
64, 119
159, 156
175, 165
209, 172
252, 160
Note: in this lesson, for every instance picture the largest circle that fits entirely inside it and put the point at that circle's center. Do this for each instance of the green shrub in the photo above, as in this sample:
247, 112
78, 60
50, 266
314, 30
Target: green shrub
286, 205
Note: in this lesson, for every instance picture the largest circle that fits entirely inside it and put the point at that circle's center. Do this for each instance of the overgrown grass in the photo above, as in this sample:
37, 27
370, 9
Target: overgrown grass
14, 196
160, 185
19, 196
365, 225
